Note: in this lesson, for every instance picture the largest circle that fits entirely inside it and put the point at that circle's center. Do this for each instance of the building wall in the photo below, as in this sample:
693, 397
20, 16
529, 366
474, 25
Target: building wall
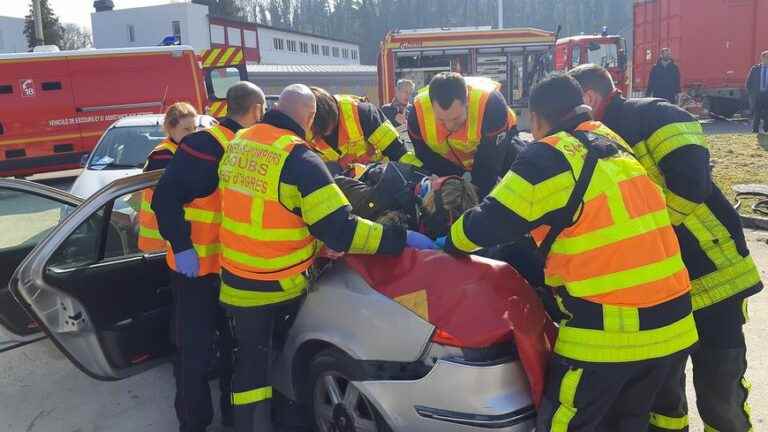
112, 29
12, 37
284, 52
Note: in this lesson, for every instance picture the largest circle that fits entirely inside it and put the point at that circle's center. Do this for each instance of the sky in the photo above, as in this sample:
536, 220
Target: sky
70, 11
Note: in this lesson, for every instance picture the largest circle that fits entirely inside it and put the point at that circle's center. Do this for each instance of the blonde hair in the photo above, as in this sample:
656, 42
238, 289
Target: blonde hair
175, 113
458, 195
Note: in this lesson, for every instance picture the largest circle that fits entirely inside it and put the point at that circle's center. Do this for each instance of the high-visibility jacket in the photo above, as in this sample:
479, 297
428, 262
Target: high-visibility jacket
150, 239
617, 271
203, 215
459, 147
265, 223
667, 141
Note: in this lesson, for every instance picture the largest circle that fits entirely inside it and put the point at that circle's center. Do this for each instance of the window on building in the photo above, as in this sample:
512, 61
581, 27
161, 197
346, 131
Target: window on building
249, 37
354, 54
304, 47
233, 37
217, 34
315, 49
176, 29
131, 33
278, 43
345, 52
326, 50
291, 45
335, 51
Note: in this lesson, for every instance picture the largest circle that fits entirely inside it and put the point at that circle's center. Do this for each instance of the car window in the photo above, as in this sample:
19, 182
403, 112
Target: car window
605, 55
26, 218
126, 147
112, 232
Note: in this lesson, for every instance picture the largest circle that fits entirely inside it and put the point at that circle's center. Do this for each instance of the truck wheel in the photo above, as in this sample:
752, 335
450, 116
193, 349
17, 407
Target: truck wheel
337, 405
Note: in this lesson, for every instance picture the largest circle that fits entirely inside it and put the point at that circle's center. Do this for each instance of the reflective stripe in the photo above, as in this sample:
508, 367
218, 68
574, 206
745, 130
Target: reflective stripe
251, 396
429, 131
207, 250
459, 239
292, 287
322, 202
269, 264
193, 214
598, 346
621, 319
722, 284
745, 309
679, 207
150, 233
411, 159
347, 106
256, 232
222, 135
626, 279
673, 136
367, 237
530, 201
708, 428
669, 423
383, 136
567, 409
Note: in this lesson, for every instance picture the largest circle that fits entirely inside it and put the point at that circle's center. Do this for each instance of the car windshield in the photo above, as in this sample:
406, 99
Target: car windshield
126, 147
605, 55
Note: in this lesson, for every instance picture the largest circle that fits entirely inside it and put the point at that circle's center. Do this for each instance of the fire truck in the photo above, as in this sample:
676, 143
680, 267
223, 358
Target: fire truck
515, 57
608, 51
55, 105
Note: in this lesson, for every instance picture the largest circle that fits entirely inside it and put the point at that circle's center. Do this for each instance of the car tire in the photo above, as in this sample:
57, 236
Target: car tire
336, 405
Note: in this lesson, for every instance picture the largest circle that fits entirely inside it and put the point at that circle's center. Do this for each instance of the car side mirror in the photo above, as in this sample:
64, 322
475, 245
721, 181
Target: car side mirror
84, 160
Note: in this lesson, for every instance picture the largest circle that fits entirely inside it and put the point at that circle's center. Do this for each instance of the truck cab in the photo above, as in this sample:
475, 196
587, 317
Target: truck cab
607, 51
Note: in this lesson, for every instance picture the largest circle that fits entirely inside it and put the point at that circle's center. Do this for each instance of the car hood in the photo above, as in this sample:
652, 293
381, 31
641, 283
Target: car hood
90, 180
477, 301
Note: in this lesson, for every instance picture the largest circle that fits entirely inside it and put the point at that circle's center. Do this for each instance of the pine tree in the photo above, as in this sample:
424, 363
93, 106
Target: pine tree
52, 29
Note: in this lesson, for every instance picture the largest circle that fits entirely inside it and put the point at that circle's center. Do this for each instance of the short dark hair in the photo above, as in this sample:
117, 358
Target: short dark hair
555, 97
593, 77
242, 96
327, 114
446, 87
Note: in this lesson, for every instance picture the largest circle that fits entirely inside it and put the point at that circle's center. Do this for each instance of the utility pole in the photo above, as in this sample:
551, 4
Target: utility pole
501, 13
38, 22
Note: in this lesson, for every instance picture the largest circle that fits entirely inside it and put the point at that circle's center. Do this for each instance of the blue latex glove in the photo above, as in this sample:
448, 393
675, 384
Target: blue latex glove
187, 263
440, 242
418, 240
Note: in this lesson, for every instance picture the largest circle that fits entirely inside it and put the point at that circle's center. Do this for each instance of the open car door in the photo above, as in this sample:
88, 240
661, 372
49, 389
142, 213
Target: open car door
102, 301
28, 213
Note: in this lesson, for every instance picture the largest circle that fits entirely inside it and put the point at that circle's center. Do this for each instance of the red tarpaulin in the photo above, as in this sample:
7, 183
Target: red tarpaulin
477, 301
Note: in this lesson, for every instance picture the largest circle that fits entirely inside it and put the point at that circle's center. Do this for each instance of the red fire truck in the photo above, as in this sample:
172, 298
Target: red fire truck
603, 49
714, 44
54, 106
515, 57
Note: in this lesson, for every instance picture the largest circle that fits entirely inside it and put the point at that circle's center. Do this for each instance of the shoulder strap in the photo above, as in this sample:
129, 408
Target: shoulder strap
577, 196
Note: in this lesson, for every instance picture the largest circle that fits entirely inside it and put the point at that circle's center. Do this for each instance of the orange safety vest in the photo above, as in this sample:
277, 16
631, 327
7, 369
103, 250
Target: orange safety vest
150, 239
353, 145
204, 217
459, 147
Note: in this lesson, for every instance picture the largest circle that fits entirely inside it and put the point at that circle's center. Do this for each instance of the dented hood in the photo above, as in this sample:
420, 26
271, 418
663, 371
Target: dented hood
477, 301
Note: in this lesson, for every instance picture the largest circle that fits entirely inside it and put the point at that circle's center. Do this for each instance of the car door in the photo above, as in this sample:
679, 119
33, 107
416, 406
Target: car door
28, 213
104, 303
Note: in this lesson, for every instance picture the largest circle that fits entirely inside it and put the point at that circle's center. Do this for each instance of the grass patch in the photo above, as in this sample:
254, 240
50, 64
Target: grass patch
738, 159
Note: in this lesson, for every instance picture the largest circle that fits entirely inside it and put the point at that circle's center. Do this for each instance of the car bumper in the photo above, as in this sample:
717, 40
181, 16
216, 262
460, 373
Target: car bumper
458, 397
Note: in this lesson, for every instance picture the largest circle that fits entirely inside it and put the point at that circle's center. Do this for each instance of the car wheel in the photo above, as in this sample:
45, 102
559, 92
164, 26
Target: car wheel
336, 404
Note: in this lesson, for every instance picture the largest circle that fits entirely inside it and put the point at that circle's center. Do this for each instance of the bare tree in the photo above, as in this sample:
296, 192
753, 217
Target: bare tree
74, 37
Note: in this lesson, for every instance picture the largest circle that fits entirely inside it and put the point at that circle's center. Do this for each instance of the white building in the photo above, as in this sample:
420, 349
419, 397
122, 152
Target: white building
147, 26
12, 37
144, 26
286, 47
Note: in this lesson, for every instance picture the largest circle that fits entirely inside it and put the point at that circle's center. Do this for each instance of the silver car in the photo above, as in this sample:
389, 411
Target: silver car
356, 359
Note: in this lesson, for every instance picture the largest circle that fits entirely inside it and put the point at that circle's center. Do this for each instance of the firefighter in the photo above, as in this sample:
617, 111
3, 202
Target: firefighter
178, 122
460, 125
612, 260
278, 200
187, 205
349, 130
671, 145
